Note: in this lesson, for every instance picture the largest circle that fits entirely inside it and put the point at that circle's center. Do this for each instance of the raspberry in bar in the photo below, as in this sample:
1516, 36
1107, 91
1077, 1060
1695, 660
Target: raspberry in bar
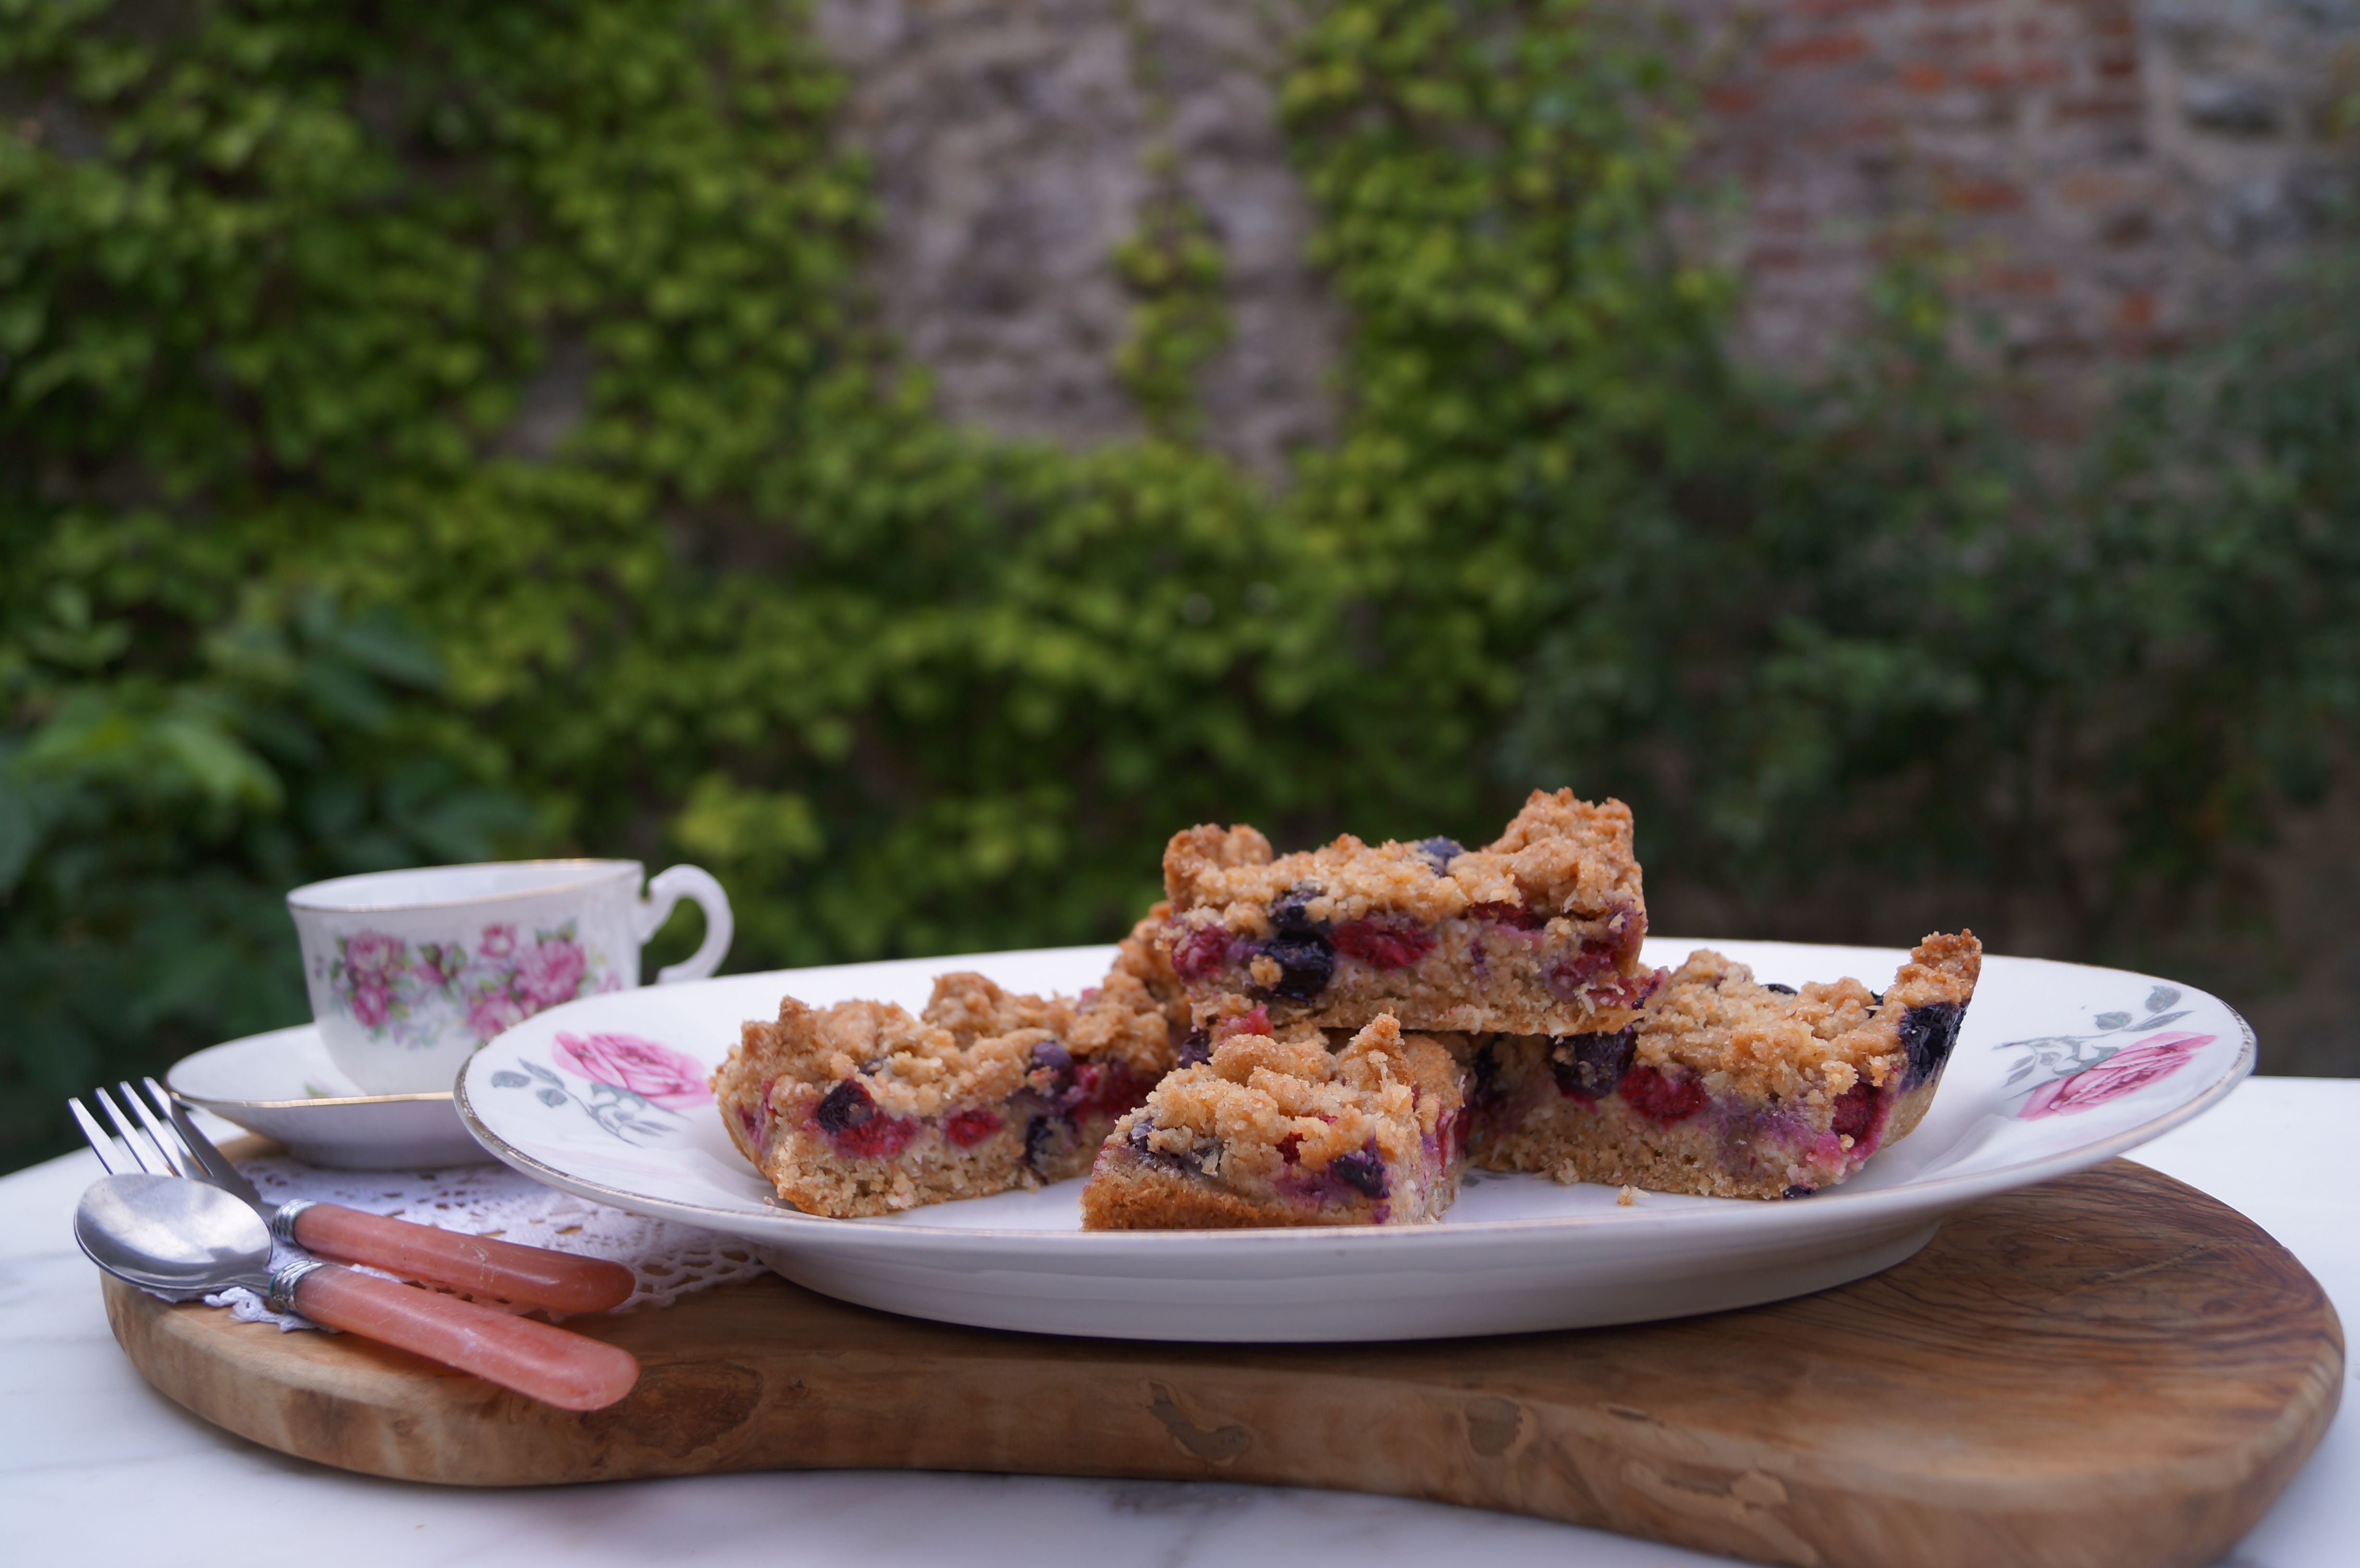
1283, 1131
861, 1109
1727, 1088
1536, 933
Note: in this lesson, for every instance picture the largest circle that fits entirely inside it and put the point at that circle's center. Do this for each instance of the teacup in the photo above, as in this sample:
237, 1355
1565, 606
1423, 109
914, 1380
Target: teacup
412, 971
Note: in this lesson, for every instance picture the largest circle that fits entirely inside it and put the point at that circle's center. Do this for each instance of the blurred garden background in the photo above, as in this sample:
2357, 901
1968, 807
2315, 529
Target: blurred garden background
438, 433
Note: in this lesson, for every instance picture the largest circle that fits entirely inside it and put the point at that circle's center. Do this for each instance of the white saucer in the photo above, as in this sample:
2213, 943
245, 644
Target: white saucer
282, 1085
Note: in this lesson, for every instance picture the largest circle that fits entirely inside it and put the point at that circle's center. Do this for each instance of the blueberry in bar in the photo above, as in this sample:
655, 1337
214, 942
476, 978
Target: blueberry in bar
1280, 1130
1725, 1086
1538, 932
861, 1109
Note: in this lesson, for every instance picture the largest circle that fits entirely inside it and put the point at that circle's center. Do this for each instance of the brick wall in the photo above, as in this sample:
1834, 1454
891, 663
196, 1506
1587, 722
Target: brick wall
2107, 176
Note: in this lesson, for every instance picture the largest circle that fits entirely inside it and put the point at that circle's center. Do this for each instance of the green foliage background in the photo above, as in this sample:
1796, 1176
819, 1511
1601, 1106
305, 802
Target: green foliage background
285, 593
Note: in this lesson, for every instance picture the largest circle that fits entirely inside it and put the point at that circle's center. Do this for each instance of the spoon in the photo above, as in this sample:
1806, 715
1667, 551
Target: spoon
183, 1239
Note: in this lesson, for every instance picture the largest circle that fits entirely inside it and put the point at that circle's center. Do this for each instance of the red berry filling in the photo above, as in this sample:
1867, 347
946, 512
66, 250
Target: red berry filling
1200, 952
1569, 978
879, 1138
969, 1127
856, 1128
1507, 914
1385, 944
1658, 1098
1108, 1090
1855, 1108
1254, 1022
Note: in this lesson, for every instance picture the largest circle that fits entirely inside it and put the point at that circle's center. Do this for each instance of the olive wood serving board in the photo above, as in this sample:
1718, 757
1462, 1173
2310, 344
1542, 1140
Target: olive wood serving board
2111, 1368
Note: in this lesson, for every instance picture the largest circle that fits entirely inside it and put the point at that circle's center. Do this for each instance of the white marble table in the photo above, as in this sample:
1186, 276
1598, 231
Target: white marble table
96, 1467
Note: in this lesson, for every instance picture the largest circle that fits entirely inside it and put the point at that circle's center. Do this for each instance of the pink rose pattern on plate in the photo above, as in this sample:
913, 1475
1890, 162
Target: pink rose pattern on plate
629, 1078
2125, 1052
413, 993
2133, 1067
654, 1072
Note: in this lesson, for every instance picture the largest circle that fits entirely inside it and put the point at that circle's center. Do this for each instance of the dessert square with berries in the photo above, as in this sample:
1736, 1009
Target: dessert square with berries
1142, 956
861, 1109
1725, 1086
1280, 1130
1538, 932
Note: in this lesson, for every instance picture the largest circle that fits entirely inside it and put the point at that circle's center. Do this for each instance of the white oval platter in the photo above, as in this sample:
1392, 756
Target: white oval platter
2059, 1067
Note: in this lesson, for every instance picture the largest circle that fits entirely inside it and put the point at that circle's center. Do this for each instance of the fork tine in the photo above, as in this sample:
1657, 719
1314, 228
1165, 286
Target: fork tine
130, 1131
94, 1134
213, 1166
169, 1147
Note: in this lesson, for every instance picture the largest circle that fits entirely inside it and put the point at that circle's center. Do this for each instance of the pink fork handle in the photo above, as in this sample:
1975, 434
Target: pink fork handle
567, 1370
530, 1276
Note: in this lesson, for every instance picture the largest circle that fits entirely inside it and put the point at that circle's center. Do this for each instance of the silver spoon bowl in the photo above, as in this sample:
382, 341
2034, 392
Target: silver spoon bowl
180, 1238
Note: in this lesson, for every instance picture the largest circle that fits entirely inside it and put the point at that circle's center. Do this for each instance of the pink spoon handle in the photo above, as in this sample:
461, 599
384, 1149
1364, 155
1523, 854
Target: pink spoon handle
530, 1276
567, 1370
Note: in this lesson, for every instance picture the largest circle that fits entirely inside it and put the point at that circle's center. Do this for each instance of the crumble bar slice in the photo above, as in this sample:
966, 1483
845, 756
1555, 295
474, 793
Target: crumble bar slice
1727, 1088
861, 1109
1283, 1131
1141, 955
1537, 933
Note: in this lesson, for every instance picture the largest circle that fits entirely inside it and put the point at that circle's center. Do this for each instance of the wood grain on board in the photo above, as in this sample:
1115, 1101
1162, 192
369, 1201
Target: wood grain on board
2111, 1368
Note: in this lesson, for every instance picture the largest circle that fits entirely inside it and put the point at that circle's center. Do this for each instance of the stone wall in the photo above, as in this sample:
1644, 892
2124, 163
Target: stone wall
2109, 175
1013, 144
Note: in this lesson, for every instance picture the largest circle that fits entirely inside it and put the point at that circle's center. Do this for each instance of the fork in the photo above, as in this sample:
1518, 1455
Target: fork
483, 1266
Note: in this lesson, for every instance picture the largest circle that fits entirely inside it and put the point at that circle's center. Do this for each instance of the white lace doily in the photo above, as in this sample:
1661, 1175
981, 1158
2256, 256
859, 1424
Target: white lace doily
671, 1260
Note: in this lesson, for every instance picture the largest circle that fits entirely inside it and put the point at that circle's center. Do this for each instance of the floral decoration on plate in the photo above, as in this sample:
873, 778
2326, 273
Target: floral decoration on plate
629, 1078
2086, 1070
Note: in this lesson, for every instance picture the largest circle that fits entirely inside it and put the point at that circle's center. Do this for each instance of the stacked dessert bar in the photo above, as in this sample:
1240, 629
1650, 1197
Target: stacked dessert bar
1572, 1056
1330, 1037
1538, 932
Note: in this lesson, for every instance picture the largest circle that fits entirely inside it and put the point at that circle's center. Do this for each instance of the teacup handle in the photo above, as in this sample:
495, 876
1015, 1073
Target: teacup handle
665, 890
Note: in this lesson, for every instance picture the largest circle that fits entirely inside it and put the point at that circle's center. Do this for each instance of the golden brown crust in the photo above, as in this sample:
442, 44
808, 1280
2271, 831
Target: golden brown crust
1941, 969
1560, 857
1141, 955
1713, 1018
1250, 1137
1135, 1196
1793, 1092
1258, 1092
1203, 856
1615, 1146
958, 1069
1539, 932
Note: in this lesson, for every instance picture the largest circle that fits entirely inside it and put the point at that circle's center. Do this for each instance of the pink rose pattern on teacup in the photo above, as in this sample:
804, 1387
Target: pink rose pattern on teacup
654, 1072
414, 993
2132, 1067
